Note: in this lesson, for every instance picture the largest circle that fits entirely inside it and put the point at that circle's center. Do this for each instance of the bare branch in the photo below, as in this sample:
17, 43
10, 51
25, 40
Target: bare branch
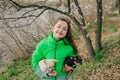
8, 26
69, 8
40, 7
18, 17
38, 16
30, 11
80, 12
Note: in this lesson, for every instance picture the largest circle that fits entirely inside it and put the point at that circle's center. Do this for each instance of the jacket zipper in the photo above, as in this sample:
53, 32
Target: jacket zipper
55, 58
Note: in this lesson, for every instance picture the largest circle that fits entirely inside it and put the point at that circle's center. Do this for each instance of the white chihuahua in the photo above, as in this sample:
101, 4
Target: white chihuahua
47, 65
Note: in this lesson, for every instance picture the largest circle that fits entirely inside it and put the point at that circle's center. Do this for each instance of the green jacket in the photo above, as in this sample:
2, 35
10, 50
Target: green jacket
49, 48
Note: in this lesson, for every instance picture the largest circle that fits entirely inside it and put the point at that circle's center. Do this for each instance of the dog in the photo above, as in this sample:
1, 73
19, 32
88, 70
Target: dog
47, 65
70, 63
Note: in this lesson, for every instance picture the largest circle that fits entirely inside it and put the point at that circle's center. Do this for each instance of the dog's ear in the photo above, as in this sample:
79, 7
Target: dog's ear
45, 61
76, 63
54, 60
71, 58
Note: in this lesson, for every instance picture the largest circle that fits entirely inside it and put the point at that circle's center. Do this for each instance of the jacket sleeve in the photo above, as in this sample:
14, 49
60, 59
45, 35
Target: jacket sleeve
72, 53
36, 57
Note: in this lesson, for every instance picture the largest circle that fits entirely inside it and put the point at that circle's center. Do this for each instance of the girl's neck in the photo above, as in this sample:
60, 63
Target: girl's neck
57, 39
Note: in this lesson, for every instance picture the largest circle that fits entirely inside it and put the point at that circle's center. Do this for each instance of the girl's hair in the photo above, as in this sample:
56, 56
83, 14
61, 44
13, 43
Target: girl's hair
69, 34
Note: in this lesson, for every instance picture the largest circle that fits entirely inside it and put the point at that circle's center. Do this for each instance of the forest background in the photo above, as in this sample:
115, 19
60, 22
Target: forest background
22, 27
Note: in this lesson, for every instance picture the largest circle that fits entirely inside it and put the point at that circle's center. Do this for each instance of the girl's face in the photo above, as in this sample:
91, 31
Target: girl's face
60, 30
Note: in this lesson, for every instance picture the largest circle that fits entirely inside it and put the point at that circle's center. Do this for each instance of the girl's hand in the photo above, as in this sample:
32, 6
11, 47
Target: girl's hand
54, 73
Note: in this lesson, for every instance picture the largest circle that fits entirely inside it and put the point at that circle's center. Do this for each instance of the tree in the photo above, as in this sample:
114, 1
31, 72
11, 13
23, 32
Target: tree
80, 24
99, 25
119, 6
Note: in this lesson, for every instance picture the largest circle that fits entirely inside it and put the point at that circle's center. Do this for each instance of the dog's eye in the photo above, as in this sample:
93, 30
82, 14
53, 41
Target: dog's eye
75, 58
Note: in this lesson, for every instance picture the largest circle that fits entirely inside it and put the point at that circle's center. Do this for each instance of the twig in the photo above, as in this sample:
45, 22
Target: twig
80, 12
69, 8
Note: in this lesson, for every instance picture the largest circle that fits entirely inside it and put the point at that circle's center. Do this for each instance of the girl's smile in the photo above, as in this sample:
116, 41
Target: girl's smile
60, 33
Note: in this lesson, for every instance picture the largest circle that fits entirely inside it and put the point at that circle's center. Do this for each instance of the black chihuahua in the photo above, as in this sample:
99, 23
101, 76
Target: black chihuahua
71, 62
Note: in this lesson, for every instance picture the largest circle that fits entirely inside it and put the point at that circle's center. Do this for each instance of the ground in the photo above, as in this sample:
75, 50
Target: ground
109, 68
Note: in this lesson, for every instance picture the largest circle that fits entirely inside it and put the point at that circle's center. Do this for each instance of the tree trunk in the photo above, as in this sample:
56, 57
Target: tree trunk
82, 27
119, 6
99, 25
85, 36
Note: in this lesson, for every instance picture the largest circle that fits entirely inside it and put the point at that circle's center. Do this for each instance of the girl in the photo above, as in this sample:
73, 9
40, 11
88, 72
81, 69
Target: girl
58, 45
